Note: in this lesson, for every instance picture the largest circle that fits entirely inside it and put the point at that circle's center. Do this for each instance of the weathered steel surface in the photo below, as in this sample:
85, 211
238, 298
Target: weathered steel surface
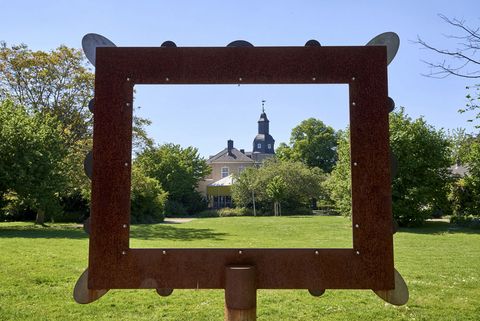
240, 293
112, 264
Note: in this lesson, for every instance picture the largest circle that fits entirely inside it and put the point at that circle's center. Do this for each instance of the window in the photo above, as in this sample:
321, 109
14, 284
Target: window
269, 146
241, 169
259, 145
224, 172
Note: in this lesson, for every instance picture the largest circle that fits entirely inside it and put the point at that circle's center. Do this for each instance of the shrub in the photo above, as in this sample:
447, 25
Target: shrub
175, 208
148, 198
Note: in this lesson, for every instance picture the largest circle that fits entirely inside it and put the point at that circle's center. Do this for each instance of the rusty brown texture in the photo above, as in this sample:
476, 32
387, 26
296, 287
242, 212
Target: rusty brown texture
368, 265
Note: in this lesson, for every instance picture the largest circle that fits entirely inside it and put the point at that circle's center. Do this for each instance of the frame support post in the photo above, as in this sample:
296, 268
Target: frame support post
240, 293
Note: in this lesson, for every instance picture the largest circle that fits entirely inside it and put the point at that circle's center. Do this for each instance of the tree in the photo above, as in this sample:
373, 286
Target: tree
32, 150
313, 143
420, 186
178, 170
292, 183
462, 61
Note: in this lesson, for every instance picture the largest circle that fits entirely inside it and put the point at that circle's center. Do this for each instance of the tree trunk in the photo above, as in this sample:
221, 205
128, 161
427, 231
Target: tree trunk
40, 217
253, 199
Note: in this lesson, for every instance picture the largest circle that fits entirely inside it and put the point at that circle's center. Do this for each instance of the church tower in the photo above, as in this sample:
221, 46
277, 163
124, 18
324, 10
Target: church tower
263, 144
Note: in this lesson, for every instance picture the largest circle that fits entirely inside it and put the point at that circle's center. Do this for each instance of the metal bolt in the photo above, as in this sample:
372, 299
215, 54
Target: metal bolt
353, 78
128, 79
126, 164
355, 163
128, 104
124, 252
240, 252
314, 78
124, 225
317, 253
164, 252
357, 226
357, 252
167, 79
240, 79
353, 104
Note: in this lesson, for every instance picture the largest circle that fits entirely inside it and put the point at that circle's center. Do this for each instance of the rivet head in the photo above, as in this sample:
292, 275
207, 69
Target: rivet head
240, 79
317, 253
355, 163
314, 78
124, 252
167, 79
126, 164
124, 225
353, 78
357, 252
128, 104
357, 226
128, 79
354, 104
164, 252
240, 252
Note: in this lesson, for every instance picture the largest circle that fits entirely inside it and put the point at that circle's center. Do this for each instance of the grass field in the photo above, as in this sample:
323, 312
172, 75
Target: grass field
39, 267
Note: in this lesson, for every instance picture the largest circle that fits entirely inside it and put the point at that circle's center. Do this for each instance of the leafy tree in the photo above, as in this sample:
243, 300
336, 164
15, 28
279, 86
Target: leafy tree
32, 150
275, 191
292, 183
148, 198
313, 143
421, 185
178, 170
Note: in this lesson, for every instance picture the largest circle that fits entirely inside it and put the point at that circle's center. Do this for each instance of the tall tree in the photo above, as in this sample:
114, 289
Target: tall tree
177, 169
313, 143
421, 184
32, 151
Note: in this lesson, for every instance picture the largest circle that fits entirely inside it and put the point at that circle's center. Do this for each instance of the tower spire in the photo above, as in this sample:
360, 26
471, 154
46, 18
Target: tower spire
263, 105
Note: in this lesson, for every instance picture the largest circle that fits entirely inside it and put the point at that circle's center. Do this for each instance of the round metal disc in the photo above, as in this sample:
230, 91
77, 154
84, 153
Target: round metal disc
88, 164
312, 43
397, 296
168, 43
91, 105
390, 104
91, 41
82, 294
316, 292
239, 43
389, 39
164, 292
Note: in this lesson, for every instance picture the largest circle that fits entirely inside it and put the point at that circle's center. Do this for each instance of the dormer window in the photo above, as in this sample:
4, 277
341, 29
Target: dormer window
259, 145
269, 146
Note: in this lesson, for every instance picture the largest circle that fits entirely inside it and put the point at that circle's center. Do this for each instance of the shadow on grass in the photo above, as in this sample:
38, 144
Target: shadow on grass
439, 228
171, 232
32, 232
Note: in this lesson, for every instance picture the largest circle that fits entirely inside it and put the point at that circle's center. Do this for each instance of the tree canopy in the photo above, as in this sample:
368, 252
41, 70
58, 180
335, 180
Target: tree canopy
177, 169
313, 143
420, 186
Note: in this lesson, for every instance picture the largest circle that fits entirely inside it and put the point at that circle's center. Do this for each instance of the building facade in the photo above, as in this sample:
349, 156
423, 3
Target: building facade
231, 161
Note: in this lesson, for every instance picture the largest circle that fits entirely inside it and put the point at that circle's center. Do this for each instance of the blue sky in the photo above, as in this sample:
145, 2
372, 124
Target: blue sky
206, 116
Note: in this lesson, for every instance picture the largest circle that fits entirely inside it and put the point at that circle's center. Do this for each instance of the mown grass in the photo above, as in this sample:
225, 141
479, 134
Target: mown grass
39, 267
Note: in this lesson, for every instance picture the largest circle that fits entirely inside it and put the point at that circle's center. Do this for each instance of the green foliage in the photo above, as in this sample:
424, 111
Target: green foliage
473, 103
292, 183
178, 171
339, 183
313, 143
226, 212
147, 198
32, 151
420, 187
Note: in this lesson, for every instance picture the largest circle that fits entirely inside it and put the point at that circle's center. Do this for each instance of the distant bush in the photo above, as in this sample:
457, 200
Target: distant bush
148, 199
466, 221
225, 212
175, 208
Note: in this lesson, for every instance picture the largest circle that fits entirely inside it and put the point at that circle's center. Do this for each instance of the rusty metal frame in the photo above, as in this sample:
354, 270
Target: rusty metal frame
368, 265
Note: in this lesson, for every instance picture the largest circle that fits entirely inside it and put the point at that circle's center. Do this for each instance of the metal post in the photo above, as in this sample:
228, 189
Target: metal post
240, 293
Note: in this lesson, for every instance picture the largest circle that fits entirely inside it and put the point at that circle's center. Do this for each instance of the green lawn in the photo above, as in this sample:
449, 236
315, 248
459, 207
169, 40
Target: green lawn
39, 267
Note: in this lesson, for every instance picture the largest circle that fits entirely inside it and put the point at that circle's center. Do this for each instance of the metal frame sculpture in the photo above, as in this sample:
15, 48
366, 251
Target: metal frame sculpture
368, 265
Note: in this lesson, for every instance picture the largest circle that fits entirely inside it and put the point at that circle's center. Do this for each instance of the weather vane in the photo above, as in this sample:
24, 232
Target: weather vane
263, 105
